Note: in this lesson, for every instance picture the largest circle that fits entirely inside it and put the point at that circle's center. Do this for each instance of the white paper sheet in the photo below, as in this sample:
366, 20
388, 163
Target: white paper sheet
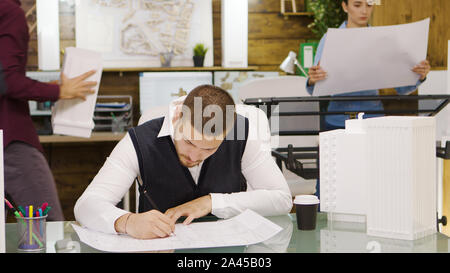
369, 58
245, 229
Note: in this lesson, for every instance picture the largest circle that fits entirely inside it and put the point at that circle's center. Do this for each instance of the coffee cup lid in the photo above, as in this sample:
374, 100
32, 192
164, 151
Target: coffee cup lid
306, 200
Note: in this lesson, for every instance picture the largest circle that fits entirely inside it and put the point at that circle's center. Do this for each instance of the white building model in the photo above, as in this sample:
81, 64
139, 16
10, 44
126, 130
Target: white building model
382, 171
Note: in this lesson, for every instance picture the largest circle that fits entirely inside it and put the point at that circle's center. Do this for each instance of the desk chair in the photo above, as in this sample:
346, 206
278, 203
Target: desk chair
288, 86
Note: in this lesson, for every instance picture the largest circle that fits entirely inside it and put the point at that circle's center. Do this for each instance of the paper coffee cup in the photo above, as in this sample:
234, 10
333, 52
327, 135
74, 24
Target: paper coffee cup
306, 207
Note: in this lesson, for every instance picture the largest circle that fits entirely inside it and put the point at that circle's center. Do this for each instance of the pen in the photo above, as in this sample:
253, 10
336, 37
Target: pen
22, 211
16, 213
30, 231
44, 205
37, 215
47, 210
144, 191
41, 228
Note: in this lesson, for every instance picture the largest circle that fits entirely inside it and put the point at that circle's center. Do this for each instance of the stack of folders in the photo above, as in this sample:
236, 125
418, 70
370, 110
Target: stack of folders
74, 117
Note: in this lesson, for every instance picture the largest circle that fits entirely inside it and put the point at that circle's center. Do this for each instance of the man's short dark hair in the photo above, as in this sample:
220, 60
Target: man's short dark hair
205, 102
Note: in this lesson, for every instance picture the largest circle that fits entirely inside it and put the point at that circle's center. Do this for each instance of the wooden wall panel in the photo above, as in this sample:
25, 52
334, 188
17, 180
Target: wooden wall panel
266, 26
74, 166
406, 11
269, 52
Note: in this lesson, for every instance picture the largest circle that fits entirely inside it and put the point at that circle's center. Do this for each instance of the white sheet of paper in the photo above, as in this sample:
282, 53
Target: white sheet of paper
245, 229
358, 59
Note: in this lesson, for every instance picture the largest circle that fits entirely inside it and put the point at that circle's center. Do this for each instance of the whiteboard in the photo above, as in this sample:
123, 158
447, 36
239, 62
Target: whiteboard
133, 33
2, 203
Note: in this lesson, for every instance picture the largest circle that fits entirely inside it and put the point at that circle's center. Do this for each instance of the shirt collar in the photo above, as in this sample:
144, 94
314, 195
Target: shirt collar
167, 126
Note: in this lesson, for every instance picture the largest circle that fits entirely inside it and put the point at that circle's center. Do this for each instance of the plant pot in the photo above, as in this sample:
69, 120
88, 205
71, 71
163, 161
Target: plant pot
198, 61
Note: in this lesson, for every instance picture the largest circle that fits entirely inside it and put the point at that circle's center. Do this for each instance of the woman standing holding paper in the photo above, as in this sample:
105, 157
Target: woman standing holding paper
28, 179
359, 13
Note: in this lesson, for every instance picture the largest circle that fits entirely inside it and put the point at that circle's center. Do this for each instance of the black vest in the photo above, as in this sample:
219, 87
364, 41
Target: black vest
168, 183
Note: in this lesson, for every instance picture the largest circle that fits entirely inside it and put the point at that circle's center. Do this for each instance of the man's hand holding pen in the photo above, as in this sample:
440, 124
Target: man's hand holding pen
154, 224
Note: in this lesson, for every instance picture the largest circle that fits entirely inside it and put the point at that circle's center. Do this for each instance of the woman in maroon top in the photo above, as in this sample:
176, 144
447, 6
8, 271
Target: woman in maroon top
28, 179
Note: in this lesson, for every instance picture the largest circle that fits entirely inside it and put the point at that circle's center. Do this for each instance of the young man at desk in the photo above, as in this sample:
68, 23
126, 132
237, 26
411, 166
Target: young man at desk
188, 168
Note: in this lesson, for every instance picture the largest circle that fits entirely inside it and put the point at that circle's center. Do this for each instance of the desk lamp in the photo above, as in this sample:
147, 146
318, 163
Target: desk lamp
288, 64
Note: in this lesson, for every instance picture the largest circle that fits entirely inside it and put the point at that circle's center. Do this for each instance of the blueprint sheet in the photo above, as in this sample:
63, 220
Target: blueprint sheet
245, 229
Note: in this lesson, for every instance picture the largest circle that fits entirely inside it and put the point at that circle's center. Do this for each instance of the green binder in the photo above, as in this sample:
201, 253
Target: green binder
306, 55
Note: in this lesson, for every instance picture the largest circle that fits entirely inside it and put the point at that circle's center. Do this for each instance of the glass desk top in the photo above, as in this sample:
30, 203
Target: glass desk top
329, 236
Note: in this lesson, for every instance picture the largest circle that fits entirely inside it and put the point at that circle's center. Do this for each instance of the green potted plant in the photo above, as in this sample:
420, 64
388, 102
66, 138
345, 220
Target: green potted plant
199, 54
327, 13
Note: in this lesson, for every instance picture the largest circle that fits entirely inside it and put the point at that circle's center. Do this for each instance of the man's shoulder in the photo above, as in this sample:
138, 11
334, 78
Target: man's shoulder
150, 129
153, 124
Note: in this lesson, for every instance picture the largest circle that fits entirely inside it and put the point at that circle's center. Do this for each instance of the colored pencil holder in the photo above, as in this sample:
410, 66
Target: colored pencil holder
31, 233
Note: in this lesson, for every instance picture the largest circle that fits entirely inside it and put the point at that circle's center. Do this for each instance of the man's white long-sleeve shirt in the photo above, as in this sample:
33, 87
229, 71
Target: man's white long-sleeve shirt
267, 191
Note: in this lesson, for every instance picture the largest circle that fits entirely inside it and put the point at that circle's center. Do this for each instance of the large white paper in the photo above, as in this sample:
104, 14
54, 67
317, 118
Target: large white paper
74, 117
358, 59
245, 229
2, 203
